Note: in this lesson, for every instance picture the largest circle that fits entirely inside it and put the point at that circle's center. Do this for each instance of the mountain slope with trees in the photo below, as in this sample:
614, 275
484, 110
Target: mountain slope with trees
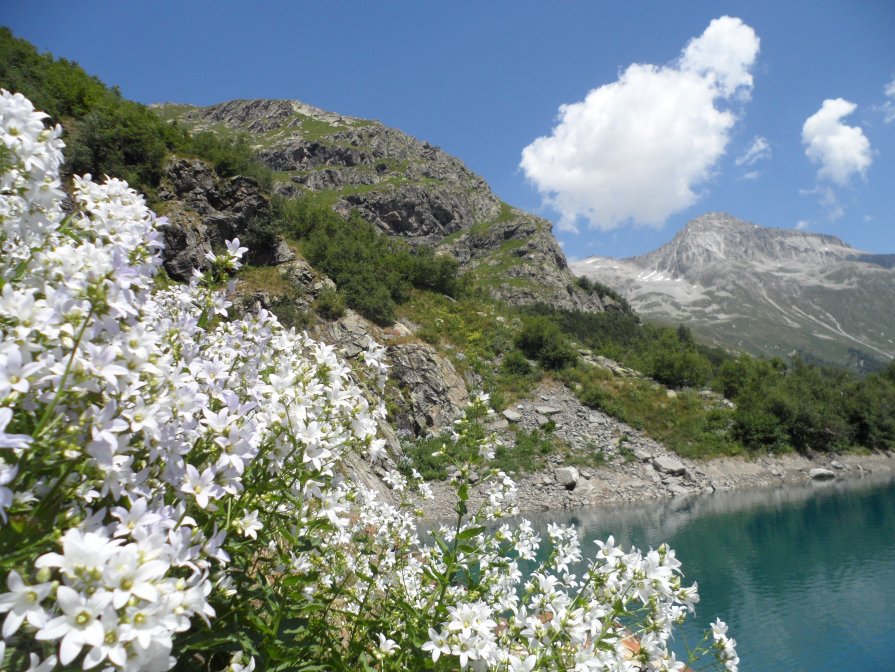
358, 229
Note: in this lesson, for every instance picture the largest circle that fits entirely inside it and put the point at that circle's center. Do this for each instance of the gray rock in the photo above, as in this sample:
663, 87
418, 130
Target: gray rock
542, 420
539, 268
547, 410
350, 333
641, 454
669, 465
437, 394
821, 474
204, 211
566, 477
836, 464
512, 416
678, 490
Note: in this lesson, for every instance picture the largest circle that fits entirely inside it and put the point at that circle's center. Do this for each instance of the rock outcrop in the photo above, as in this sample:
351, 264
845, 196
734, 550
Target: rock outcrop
427, 212
523, 263
204, 211
408, 189
435, 395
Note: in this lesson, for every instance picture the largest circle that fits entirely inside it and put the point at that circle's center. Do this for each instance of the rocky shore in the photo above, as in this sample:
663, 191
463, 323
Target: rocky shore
636, 468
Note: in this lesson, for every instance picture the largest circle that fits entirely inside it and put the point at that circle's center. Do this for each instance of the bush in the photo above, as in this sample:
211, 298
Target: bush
374, 272
330, 304
516, 363
528, 452
541, 339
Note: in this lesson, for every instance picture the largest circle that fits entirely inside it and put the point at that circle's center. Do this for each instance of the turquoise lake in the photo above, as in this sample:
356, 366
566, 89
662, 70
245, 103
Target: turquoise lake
804, 577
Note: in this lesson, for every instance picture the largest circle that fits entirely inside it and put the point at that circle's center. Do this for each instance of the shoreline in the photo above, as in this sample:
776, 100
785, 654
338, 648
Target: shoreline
643, 480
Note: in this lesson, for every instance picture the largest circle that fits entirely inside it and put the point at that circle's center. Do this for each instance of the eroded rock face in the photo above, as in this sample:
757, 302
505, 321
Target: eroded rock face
204, 211
429, 212
436, 395
350, 333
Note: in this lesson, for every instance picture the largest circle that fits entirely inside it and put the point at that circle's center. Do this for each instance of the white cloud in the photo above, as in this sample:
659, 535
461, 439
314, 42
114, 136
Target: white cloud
803, 224
758, 151
827, 199
752, 175
841, 151
889, 105
638, 148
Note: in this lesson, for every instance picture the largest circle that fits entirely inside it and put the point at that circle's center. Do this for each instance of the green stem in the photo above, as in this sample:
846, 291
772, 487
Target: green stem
59, 390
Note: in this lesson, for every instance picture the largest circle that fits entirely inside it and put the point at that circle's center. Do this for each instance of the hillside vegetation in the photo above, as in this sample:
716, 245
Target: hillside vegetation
777, 405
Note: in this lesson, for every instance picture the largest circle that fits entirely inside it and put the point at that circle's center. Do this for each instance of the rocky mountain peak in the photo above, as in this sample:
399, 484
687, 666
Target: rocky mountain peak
720, 238
406, 187
764, 290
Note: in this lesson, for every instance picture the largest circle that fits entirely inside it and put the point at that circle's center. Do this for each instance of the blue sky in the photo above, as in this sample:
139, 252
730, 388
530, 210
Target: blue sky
639, 150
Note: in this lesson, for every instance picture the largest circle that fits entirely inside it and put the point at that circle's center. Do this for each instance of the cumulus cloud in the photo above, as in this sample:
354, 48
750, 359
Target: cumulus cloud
638, 148
802, 224
841, 151
758, 151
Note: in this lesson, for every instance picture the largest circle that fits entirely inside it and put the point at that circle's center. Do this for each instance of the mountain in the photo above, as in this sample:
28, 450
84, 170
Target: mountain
766, 291
408, 188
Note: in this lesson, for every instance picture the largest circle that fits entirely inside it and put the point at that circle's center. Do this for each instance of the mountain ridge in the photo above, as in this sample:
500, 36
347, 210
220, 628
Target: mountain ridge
407, 188
768, 291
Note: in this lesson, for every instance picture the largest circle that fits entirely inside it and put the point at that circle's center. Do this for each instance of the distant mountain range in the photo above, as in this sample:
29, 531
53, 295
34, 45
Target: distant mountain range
774, 292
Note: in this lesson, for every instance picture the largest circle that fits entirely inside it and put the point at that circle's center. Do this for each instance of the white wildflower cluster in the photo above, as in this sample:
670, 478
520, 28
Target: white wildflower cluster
724, 646
167, 468
134, 421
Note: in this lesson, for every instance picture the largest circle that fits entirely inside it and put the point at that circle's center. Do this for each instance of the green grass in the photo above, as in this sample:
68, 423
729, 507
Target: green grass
688, 424
479, 328
528, 453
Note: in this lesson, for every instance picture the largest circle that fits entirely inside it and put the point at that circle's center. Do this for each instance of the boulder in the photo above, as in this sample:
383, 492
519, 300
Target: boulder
641, 454
821, 474
547, 410
669, 465
512, 416
567, 477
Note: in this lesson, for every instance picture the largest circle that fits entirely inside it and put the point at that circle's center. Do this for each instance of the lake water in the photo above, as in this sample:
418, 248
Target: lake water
805, 577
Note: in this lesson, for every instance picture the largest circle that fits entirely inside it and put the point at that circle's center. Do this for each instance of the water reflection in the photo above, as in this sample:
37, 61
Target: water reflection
805, 576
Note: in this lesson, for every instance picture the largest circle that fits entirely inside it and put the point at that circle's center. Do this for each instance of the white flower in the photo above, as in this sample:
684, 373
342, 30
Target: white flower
437, 644
11, 440
201, 486
23, 603
238, 664
79, 625
386, 648
249, 525
7, 473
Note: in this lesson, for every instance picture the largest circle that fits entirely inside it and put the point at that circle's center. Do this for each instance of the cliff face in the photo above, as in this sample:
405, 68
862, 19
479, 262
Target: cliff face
407, 188
763, 290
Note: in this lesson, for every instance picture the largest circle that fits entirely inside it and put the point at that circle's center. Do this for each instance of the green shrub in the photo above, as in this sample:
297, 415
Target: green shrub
527, 453
516, 363
374, 272
330, 304
541, 339
429, 456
